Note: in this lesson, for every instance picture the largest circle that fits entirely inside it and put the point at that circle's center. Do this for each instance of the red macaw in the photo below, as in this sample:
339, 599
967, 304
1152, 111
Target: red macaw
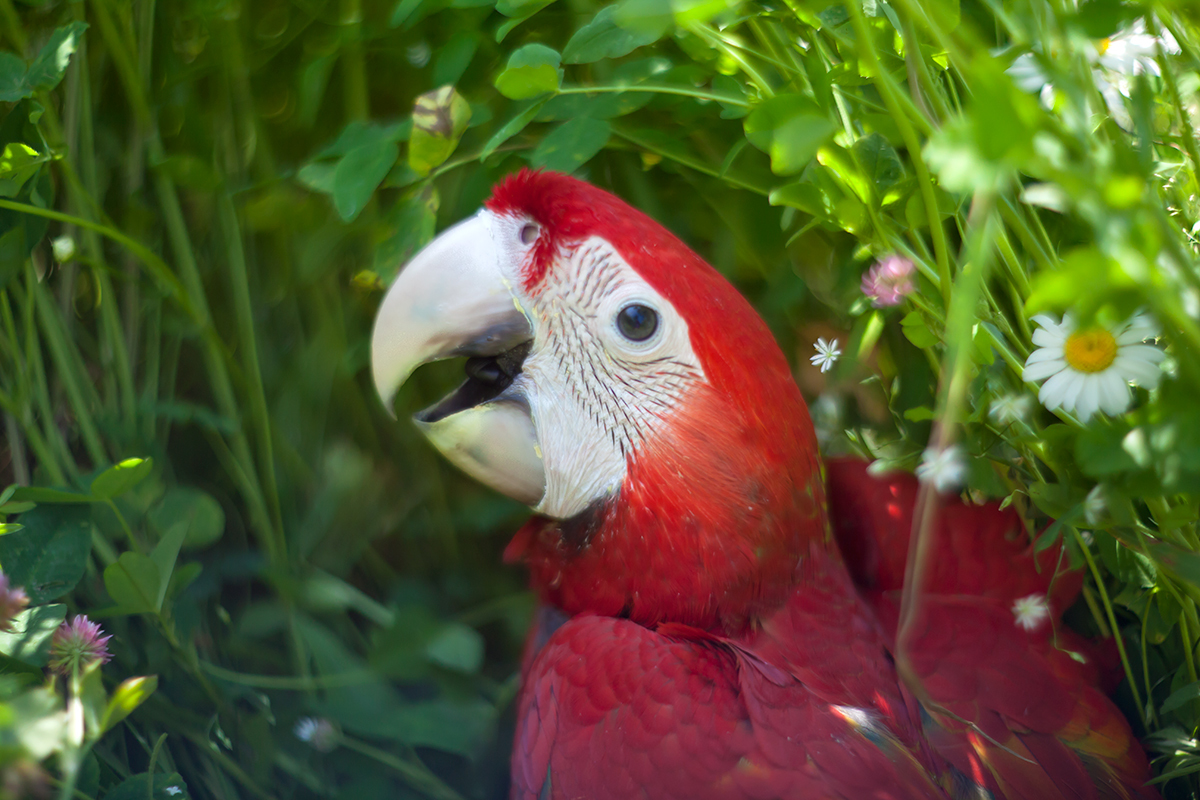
720, 619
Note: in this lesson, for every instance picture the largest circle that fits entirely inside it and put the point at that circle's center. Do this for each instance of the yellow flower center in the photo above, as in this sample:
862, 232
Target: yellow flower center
1103, 45
1092, 350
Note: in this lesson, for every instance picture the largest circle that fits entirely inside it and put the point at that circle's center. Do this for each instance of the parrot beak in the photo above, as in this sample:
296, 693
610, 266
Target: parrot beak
452, 300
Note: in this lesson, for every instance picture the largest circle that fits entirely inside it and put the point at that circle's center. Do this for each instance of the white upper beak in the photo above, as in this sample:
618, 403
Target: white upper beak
455, 299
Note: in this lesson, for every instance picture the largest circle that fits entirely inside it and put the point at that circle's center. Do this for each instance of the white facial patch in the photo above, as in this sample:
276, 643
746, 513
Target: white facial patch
594, 392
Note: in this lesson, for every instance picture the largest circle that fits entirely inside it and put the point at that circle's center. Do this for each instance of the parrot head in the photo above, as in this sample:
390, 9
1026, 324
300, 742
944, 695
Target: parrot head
625, 391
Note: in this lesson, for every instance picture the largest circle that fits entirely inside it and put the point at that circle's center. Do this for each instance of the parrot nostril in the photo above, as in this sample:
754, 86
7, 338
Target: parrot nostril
484, 369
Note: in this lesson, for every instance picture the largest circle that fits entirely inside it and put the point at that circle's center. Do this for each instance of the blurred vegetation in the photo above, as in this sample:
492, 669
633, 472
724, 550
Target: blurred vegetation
200, 202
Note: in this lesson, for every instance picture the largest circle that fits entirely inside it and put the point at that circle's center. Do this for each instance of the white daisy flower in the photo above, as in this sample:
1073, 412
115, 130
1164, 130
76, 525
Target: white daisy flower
1133, 51
1115, 60
945, 469
1031, 611
827, 354
1090, 370
1010, 408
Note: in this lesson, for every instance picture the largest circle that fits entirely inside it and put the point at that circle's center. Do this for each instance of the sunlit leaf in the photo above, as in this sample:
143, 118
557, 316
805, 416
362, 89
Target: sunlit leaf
531, 71
120, 478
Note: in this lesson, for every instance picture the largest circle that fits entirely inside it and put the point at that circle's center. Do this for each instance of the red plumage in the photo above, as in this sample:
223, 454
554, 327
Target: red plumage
726, 637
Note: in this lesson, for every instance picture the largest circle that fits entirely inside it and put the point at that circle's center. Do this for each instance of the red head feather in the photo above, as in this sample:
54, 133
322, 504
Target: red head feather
715, 513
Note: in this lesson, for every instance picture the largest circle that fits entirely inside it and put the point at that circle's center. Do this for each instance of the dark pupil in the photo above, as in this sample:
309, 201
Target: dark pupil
637, 323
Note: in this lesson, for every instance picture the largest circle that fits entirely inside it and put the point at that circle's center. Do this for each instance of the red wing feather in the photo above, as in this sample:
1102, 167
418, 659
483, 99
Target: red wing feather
612, 709
1001, 698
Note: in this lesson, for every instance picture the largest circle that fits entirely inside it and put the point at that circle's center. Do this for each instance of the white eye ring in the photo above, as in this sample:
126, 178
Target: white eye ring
529, 233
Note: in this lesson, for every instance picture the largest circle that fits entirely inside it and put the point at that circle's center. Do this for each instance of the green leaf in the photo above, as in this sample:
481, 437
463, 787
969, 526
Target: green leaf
805, 196
1183, 563
414, 221
1099, 451
439, 119
39, 721
202, 516
604, 38
12, 254
645, 17
916, 330
51, 63
358, 174
532, 70
571, 144
48, 557
454, 57
919, 414
318, 176
133, 583
125, 698
44, 494
790, 129
512, 127
360, 134
142, 787
1181, 697
457, 647
120, 478
165, 553
32, 629
13, 86
18, 163
880, 163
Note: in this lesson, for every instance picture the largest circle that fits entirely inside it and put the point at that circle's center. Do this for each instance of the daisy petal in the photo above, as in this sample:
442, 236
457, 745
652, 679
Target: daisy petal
1114, 393
1044, 369
1139, 329
1145, 352
1088, 402
1044, 354
1072, 391
1052, 391
1046, 337
1143, 373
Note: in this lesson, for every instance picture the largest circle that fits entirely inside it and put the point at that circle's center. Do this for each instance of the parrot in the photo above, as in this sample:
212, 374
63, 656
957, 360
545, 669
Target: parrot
722, 612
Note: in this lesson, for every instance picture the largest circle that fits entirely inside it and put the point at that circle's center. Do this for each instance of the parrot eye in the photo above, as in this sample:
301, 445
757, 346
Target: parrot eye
637, 323
529, 233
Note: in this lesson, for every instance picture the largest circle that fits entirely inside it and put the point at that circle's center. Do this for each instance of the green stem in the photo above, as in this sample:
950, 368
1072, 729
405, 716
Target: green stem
72, 380
891, 96
661, 88
240, 288
413, 771
1112, 621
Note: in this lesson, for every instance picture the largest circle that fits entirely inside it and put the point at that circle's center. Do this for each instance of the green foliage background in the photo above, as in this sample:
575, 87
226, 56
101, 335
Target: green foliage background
240, 180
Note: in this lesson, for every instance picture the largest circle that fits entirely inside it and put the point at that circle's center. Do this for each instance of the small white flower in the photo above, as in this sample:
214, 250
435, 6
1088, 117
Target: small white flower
1010, 408
1090, 370
827, 354
64, 248
945, 469
173, 790
1095, 505
1031, 611
317, 731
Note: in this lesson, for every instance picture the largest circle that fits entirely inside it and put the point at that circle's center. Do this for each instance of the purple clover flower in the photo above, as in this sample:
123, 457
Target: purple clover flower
78, 644
889, 281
